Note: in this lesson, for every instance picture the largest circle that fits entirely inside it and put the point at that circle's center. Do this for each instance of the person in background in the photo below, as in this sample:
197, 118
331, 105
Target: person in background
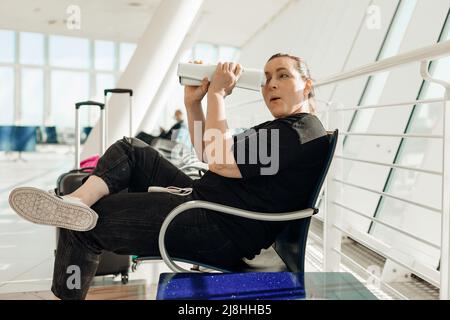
178, 116
175, 133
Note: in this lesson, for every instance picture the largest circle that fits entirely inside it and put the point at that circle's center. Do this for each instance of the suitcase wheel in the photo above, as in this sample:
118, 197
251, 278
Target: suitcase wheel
124, 278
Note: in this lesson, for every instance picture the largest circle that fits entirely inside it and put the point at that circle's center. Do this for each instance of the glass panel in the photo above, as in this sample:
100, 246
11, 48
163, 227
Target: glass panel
416, 186
67, 88
31, 48
7, 45
126, 52
390, 48
32, 96
104, 55
206, 52
364, 147
7, 96
69, 52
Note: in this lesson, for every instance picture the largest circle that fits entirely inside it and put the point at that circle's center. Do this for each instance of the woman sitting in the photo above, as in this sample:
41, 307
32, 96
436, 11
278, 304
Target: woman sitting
271, 167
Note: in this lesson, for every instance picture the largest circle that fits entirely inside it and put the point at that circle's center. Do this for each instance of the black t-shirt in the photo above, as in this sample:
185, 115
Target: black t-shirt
280, 162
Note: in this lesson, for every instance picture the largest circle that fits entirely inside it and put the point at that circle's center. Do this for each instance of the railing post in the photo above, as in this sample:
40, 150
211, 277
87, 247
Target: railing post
444, 292
332, 237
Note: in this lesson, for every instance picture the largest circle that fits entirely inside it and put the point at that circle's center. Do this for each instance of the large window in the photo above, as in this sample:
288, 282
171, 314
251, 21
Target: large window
32, 96
104, 55
68, 87
7, 45
40, 86
6, 95
31, 48
417, 186
69, 52
211, 53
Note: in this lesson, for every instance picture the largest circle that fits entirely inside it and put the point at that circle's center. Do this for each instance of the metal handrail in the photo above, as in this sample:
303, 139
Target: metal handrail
394, 166
387, 195
432, 52
393, 135
388, 256
387, 105
387, 225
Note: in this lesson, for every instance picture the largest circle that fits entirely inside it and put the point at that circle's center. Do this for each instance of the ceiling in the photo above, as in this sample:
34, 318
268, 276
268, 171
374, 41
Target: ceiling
231, 22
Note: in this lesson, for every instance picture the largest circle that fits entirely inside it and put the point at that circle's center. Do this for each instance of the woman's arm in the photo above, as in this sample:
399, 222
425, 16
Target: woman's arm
196, 119
218, 140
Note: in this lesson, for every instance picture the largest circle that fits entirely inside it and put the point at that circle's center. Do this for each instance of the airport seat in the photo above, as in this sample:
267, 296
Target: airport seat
6, 133
51, 135
24, 138
288, 251
18, 138
85, 134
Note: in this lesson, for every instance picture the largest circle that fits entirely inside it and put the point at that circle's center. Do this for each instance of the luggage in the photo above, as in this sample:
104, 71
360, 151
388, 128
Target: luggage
110, 263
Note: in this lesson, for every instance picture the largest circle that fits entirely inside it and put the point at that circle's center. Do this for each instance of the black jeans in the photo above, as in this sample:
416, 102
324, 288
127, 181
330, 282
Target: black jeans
129, 222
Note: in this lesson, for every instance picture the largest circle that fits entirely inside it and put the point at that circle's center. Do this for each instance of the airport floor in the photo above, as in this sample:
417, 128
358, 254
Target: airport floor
27, 250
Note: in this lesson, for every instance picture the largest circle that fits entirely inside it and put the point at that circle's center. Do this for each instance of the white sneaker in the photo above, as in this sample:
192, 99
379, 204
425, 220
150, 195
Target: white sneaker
43, 207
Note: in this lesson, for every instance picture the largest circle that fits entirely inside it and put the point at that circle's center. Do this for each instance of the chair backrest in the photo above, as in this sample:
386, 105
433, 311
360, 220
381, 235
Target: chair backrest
291, 242
6, 133
51, 135
24, 138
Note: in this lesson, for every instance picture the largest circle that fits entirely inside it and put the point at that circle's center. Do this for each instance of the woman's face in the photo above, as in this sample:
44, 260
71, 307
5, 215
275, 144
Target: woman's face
284, 90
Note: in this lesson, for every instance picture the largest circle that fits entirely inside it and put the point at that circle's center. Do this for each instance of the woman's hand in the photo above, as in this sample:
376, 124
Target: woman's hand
193, 95
225, 78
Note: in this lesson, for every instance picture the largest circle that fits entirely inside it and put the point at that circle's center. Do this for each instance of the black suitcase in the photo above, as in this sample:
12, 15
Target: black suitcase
110, 263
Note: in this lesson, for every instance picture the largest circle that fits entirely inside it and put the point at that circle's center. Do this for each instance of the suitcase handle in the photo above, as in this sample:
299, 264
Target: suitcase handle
118, 90
89, 103
77, 128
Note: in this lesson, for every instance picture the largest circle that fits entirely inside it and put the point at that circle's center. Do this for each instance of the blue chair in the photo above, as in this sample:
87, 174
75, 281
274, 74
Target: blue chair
288, 251
6, 133
24, 139
51, 135
85, 134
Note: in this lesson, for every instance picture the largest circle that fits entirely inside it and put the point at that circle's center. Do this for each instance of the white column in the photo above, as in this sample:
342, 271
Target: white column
159, 101
151, 61
332, 237
445, 220
445, 227
444, 292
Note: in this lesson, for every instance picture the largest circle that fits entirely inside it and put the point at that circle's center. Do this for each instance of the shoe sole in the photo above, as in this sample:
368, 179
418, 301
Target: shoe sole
40, 207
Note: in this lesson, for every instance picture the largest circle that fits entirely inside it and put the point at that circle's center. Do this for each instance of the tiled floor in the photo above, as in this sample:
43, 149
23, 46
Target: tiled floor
26, 249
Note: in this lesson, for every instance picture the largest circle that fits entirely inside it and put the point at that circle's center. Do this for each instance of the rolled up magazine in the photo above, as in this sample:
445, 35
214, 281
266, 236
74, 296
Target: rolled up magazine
192, 74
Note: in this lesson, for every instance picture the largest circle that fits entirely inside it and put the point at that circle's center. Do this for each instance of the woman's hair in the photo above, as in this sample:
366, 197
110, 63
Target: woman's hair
303, 69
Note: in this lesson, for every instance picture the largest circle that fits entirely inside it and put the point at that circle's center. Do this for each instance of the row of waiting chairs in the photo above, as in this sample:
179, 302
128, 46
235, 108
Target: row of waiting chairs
25, 138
